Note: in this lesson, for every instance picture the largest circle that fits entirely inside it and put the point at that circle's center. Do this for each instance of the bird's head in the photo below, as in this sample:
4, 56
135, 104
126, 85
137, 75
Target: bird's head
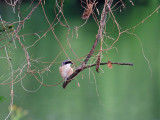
65, 62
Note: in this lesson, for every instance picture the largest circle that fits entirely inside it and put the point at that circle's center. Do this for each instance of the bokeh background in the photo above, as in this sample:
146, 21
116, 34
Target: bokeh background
120, 93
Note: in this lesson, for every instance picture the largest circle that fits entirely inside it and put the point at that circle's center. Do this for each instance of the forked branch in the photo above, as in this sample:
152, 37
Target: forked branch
104, 13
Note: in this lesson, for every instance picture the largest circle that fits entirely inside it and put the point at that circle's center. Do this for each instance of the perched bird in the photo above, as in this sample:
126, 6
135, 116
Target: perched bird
65, 69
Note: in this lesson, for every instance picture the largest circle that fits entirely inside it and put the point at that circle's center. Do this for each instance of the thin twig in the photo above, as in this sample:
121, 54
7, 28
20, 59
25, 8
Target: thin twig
88, 66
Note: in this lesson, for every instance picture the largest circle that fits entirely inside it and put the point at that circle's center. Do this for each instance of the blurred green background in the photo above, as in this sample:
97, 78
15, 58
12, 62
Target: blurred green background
120, 93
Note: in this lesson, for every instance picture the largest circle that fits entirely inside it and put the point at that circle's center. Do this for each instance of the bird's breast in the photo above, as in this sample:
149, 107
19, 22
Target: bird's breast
65, 71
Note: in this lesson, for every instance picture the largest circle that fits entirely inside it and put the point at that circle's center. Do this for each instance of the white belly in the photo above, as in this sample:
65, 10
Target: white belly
65, 71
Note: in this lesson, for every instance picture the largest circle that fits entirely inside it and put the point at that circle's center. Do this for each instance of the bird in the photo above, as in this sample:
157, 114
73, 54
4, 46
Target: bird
65, 69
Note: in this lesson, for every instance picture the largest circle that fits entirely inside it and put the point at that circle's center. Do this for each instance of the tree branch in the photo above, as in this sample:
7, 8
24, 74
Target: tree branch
107, 4
105, 11
78, 70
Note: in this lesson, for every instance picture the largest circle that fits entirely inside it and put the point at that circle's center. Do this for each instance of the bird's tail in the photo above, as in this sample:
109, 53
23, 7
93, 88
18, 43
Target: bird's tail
64, 84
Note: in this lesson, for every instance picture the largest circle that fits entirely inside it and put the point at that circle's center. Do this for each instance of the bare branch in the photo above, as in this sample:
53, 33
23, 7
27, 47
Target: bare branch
105, 11
78, 70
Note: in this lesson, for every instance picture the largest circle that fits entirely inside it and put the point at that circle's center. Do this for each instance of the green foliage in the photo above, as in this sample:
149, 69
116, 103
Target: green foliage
2, 98
5, 27
18, 113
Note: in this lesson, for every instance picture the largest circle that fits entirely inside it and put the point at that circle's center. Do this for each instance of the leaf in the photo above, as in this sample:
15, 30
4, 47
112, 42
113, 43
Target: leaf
109, 64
